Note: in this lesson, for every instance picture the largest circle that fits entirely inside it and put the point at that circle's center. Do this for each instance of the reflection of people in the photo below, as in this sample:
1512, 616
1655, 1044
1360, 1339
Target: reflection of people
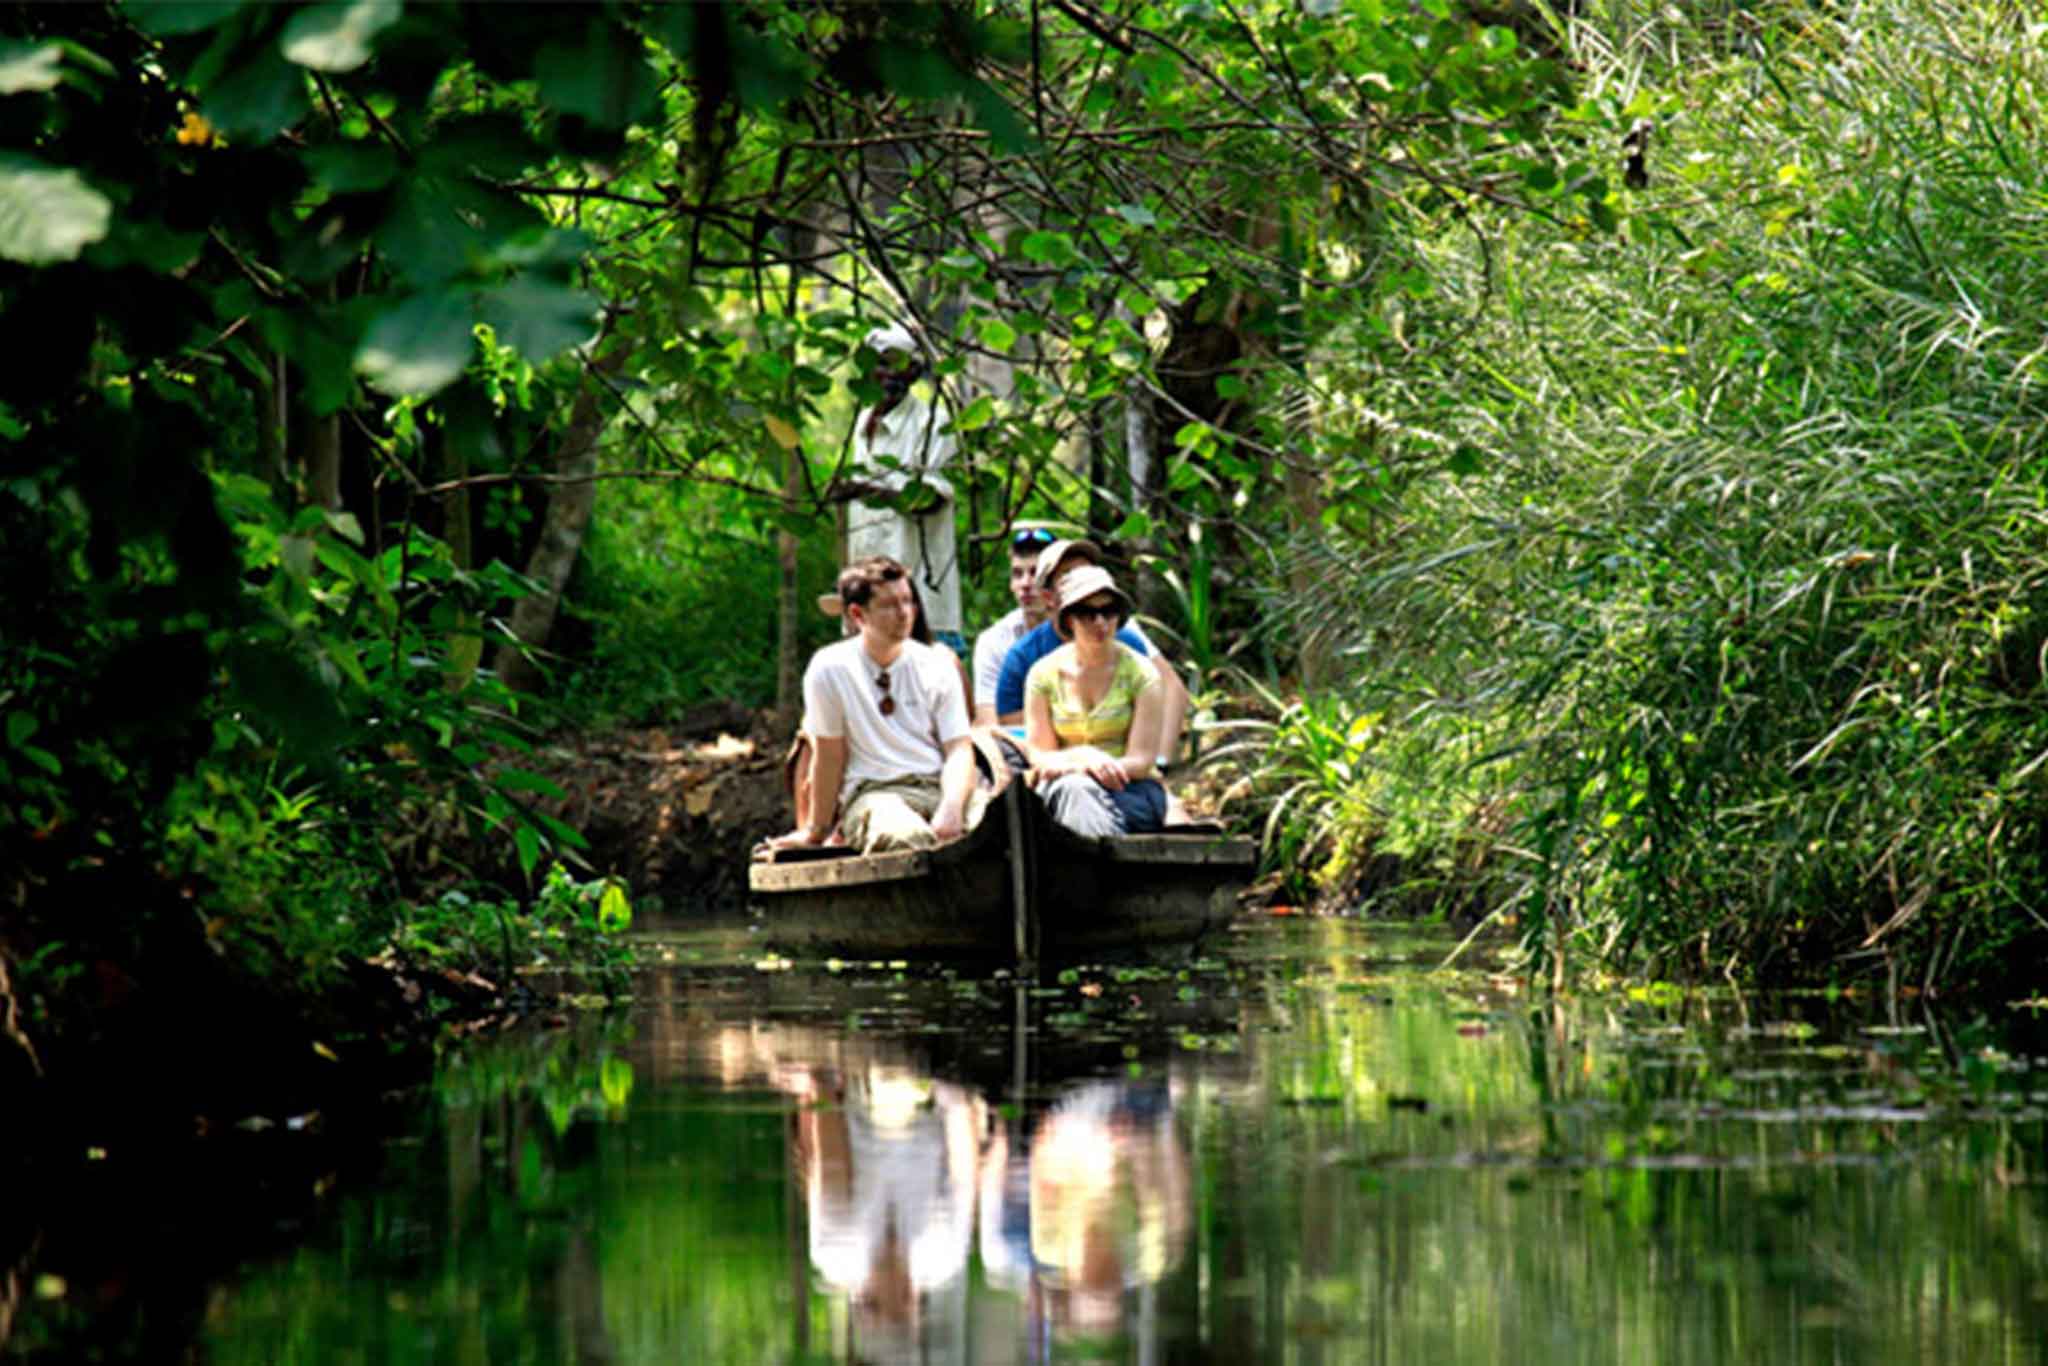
1110, 1200
889, 726
901, 447
1092, 716
888, 1178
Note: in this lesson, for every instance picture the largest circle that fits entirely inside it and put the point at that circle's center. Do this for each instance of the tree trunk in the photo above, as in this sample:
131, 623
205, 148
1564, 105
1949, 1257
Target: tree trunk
789, 606
561, 533
323, 462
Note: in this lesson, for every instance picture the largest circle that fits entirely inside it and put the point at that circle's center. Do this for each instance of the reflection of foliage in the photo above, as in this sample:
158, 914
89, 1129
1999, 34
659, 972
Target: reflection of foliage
1700, 1178
567, 1075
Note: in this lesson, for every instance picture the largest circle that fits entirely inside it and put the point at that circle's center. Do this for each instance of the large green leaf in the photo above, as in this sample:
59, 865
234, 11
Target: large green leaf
29, 66
539, 319
170, 18
420, 346
47, 214
285, 694
322, 343
259, 100
424, 239
336, 37
604, 78
352, 167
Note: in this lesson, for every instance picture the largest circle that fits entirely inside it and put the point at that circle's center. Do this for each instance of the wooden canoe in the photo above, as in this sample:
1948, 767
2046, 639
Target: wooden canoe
1078, 896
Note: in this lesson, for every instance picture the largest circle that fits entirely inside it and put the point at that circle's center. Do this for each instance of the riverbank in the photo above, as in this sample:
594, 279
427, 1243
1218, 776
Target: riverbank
149, 1032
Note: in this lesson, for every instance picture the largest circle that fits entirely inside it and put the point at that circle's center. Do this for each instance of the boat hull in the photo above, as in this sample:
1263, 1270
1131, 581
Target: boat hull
1080, 897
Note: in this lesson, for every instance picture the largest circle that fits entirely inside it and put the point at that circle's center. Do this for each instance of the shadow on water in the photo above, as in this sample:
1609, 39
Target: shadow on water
1310, 1146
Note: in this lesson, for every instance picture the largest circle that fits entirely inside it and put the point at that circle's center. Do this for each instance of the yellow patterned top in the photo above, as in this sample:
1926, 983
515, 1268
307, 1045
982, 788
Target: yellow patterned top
1106, 725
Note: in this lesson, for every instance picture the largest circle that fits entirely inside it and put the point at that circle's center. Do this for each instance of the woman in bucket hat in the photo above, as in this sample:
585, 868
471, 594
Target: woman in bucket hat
1093, 712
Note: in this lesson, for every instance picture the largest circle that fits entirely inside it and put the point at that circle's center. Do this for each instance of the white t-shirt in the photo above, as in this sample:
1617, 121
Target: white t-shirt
843, 699
989, 648
918, 439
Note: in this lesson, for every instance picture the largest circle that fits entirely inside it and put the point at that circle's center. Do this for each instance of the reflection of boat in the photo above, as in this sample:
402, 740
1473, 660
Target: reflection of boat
1018, 886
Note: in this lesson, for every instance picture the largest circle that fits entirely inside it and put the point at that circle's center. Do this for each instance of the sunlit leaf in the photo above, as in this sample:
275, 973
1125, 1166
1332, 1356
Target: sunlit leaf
47, 214
420, 346
539, 319
336, 37
29, 66
998, 335
976, 414
614, 908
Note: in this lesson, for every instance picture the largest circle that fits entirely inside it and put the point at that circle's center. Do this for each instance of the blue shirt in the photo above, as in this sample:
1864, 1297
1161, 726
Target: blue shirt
1038, 642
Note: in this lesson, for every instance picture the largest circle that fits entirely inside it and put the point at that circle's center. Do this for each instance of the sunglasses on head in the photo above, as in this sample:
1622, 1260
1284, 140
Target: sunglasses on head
1031, 539
1088, 611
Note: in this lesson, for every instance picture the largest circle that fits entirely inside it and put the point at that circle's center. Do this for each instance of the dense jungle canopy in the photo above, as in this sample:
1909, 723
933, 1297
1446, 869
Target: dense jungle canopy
1587, 454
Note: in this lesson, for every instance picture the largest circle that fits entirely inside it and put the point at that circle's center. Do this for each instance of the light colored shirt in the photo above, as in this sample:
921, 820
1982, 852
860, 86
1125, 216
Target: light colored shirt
842, 697
1107, 724
989, 649
913, 443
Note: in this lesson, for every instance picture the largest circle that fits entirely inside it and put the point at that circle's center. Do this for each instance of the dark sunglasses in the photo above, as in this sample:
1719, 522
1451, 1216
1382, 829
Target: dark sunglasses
1030, 539
888, 705
1107, 611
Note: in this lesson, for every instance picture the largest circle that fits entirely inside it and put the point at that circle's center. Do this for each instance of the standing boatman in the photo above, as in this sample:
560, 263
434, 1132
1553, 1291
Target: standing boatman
901, 447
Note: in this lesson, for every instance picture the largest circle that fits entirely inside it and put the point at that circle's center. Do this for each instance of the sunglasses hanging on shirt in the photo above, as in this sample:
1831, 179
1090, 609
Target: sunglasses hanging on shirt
888, 704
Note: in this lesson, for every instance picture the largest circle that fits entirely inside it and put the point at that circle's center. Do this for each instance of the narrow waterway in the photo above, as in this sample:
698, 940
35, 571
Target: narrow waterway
1310, 1145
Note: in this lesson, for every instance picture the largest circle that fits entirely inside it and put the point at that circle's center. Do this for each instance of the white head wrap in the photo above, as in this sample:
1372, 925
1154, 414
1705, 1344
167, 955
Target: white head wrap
894, 337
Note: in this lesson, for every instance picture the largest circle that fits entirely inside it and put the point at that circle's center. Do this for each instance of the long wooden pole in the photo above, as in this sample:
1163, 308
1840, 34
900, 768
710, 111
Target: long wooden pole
1020, 877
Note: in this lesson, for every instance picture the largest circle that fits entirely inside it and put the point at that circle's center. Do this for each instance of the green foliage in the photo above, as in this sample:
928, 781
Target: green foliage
244, 605
1750, 557
678, 609
1356, 805
569, 923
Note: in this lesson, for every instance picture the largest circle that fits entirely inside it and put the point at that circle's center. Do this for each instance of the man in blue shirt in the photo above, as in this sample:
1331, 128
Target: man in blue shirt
1055, 560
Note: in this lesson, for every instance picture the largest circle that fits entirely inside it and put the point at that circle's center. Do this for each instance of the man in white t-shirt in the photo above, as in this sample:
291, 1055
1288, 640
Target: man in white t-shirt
890, 724
901, 447
992, 645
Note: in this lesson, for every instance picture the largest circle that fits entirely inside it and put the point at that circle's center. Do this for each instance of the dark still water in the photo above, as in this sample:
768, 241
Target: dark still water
1311, 1147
